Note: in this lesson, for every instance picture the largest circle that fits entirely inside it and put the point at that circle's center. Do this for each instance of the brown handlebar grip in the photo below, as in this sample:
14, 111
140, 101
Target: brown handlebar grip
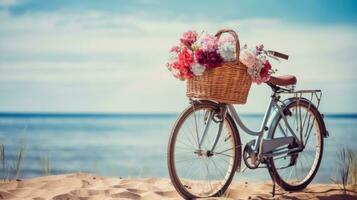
280, 55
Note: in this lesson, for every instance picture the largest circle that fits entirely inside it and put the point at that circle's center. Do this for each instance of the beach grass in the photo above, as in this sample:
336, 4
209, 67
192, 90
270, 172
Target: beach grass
11, 169
346, 169
45, 165
2, 154
352, 168
3, 161
18, 161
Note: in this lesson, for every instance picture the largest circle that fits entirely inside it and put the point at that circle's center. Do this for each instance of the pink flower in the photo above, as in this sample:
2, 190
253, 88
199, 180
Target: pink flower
176, 73
185, 58
259, 47
180, 71
173, 56
180, 63
188, 38
209, 43
247, 58
175, 49
264, 74
183, 63
193, 56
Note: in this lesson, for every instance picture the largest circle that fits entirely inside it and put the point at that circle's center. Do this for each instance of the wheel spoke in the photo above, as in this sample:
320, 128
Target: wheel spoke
217, 169
224, 150
223, 154
188, 136
196, 127
185, 160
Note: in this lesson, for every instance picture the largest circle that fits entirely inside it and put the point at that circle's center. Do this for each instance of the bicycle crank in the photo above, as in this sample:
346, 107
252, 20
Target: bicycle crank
250, 157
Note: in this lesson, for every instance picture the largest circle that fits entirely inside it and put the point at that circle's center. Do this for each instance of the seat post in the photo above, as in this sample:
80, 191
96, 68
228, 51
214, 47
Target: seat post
273, 87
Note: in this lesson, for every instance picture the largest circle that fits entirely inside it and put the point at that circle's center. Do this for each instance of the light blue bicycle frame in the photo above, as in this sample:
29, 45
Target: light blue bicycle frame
273, 111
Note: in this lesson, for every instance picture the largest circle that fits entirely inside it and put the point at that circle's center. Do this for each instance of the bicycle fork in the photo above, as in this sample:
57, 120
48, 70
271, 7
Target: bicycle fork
217, 117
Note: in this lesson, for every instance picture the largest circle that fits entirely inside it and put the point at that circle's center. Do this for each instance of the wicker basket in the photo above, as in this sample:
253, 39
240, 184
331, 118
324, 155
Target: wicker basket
229, 83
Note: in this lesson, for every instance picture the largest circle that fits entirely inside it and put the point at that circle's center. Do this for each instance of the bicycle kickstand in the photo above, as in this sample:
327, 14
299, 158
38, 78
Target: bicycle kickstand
274, 184
273, 192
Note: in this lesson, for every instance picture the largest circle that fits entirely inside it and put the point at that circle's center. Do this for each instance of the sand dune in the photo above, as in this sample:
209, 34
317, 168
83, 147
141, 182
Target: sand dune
91, 187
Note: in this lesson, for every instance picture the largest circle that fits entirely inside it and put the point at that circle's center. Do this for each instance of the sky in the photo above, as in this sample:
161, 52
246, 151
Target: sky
109, 56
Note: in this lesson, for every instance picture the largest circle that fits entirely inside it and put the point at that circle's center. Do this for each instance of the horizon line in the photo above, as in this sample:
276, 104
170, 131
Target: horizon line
128, 114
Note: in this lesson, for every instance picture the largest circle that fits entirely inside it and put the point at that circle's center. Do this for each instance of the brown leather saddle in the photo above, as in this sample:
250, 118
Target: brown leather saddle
284, 80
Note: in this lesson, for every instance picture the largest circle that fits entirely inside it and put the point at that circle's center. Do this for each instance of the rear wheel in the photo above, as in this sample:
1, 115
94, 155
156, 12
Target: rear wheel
297, 170
195, 170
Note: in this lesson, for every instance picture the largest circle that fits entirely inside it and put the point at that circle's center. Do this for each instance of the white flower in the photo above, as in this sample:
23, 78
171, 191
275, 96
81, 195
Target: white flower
197, 69
227, 51
198, 44
262, 58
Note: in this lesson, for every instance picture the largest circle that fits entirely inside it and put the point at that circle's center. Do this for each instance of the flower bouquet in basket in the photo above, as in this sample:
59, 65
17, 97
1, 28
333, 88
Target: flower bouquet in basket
216, 68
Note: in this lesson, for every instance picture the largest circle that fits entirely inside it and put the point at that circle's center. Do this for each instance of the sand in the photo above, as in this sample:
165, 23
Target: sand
82, 186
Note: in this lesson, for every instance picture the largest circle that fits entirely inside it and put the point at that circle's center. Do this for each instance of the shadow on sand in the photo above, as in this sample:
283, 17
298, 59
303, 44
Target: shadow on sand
331, 194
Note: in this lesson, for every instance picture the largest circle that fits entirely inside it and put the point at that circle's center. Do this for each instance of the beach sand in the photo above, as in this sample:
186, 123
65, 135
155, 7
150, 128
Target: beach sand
82, 186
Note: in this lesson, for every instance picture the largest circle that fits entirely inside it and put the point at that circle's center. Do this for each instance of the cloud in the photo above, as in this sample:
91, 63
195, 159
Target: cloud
8, 3
127, 53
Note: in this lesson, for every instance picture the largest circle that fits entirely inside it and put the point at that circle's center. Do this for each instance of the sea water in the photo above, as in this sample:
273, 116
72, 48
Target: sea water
129, 145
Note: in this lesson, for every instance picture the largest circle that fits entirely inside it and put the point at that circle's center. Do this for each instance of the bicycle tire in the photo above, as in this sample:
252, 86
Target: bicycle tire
171, 149
321, 126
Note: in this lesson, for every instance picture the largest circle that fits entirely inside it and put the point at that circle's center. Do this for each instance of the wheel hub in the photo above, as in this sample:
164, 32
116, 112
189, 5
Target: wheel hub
206, 153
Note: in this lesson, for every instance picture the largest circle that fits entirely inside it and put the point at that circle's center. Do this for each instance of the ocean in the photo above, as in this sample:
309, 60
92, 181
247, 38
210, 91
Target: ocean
129, 145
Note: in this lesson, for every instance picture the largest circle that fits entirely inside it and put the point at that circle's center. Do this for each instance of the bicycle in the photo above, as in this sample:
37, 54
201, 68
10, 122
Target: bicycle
205, 149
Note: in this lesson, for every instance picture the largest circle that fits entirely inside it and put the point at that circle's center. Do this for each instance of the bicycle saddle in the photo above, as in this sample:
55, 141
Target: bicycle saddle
283, 80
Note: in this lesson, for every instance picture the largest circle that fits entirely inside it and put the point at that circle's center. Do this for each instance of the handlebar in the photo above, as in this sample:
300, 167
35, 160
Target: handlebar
277, 54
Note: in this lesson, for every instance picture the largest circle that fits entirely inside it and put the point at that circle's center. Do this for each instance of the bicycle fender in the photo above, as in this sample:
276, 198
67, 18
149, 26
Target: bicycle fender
275, 116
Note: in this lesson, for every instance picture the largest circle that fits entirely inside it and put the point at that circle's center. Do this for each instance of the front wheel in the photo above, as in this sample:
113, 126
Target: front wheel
296, 170
195, 170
